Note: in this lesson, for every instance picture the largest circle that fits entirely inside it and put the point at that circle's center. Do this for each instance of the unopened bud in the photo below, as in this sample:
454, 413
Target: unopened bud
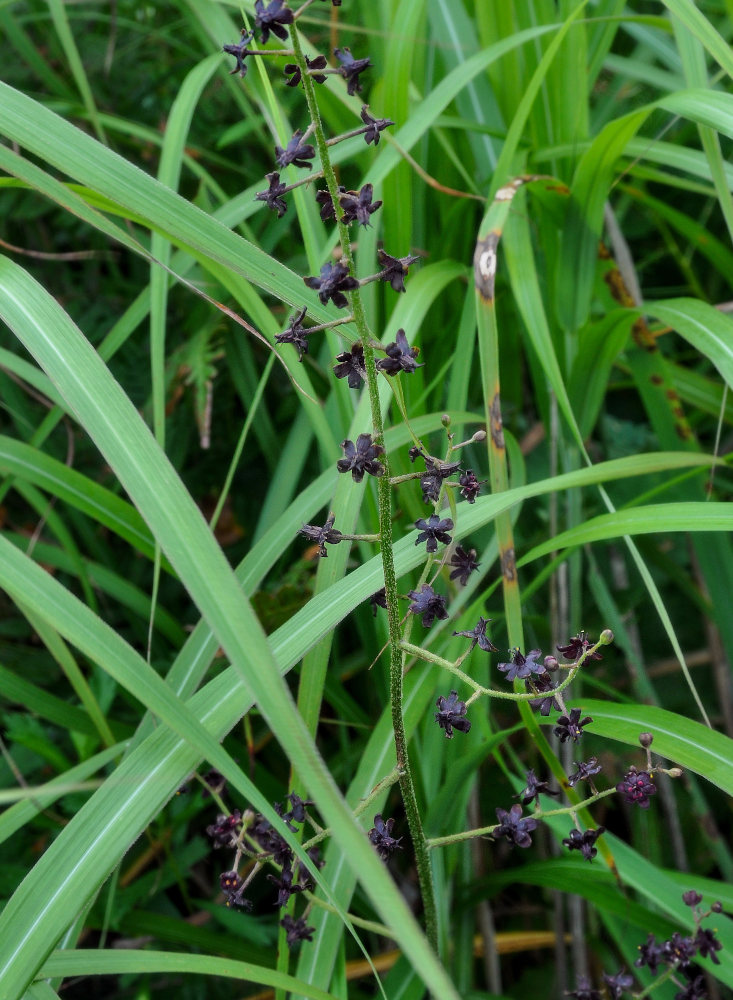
551, 663
445, 420
646, 740
479, 436
675, 772
717, 907
606, 637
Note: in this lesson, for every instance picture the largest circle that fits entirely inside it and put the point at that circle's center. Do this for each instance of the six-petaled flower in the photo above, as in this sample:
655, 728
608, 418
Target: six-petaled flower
381, 836
296, 930
358, 205
584, 771
514, 827
618, 984
400, 357
637, 787
296, 334
394, 269
651, 953
571, 727
432, 482
285, 886
272, 18
470, 485
273, 197
296, 152
334, 280
350, 365
432, 531
373, 125
545, 687
378, 600
428, 604
578, 645
292, 71
324, 199
533, 788
584, 842
350, 68
361, 457
463, 563
451, 714
233, 886
321, 536
478, 636
520, 667
240, 52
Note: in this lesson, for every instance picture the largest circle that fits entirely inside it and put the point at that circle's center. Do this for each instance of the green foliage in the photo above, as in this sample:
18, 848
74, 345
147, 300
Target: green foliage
159, 452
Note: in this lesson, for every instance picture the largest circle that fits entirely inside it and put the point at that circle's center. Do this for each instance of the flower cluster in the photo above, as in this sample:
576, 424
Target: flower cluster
255, 837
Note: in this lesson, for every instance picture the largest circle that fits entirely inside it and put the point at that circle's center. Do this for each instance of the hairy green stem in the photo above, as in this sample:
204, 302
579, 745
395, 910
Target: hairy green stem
384, 496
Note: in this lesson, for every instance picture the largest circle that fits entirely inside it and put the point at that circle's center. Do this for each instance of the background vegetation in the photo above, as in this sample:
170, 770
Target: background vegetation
141, 288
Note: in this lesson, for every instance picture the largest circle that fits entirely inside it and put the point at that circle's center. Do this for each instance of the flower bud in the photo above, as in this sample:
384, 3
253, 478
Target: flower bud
717, 907
646, 740
479, 436
606, 637
550, 663
675, 772
445, 420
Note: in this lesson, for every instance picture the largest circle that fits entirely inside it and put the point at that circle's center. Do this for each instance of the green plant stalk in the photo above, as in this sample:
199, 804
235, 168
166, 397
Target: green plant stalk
384, 496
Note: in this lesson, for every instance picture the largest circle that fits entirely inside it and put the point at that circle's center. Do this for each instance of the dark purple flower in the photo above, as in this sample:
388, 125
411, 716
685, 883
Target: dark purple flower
400, 357
296, 334
691, 897
432, 481
432, 531
215, 782
296, 152
232, 885
351, 366
464, 564
414, 453
321, 536
374, 125
394, 269
332, 283
378, 600
292, 70
584, 771
296, 930
358, 206
478, 636
571, 728
381, 836
285, 886
584, 991
577, 645
273, 197
272, 18
513, 827
708, 944
584, 842
427, 603
361, 457
618, 984
543, 685
351, 68
520, 667
470, 485
225, 832
695, 990
324, 199
297, 808
451, 714
651, 953
531, 793
240, 52
680, 950
637, 786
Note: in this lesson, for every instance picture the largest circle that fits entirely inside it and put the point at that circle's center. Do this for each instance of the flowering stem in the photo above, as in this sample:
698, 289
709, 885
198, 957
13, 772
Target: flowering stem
483, 831
384, 495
